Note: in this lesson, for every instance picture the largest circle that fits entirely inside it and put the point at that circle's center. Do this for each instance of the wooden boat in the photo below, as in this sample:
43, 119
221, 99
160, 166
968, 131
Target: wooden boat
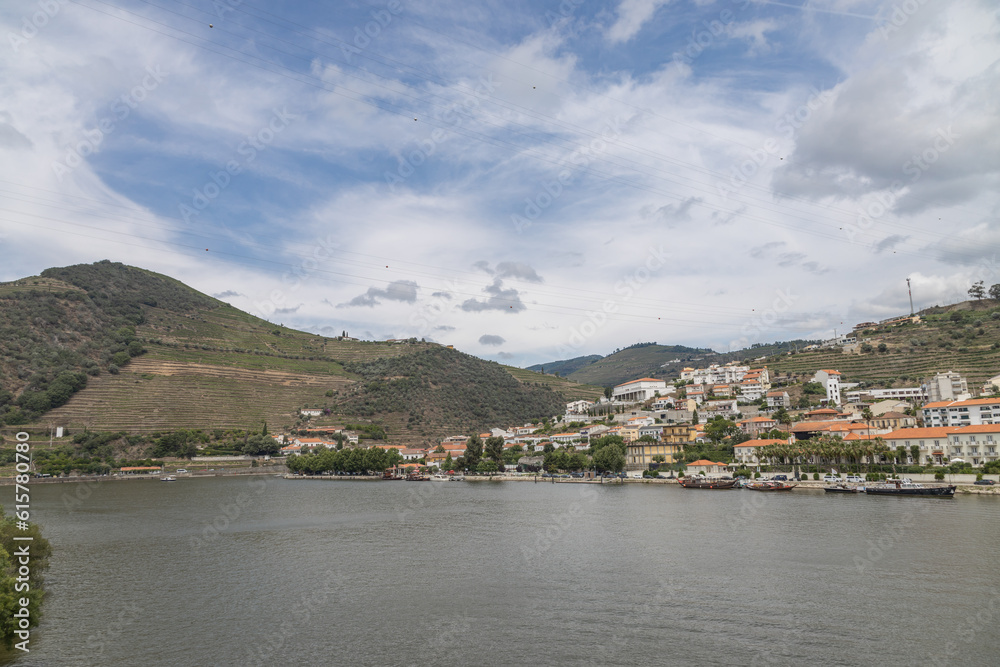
717, 484
901, 488
770, 485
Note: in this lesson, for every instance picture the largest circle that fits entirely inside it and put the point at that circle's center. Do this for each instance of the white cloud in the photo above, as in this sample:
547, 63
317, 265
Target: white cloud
632, 14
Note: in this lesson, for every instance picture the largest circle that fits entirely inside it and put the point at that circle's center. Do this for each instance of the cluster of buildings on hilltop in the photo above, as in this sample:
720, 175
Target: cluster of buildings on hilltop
727, 381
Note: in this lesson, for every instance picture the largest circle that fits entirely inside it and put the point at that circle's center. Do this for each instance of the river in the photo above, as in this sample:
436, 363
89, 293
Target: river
227, 571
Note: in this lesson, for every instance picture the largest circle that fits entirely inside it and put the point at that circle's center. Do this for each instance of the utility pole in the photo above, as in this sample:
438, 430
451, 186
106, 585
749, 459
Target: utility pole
908, 289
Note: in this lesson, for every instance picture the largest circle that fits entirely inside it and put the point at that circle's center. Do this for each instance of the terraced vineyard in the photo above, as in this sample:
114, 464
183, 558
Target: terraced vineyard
573, 391
969, 344
149, 354
151, 395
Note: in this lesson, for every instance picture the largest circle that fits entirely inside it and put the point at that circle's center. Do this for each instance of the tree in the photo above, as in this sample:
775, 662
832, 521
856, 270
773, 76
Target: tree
30, 587
486, 467
994, 292
694, 416
720, 428
260, 445
977, 291
494, 449
915, 454
608, 392
449, 463
610, 458
393, 457
473, 452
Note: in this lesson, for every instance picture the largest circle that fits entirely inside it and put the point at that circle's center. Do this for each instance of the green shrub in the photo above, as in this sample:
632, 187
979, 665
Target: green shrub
939, 475
816, 476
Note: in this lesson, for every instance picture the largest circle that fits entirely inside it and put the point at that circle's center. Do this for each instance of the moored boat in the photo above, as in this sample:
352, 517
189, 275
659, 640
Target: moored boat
168, 479
438, 477
770, 485
841, 488
717, 484
907, 488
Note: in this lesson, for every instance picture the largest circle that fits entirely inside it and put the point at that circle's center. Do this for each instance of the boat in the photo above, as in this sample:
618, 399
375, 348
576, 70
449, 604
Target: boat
842, 488
439, 478
907, 488
417, 477
770, 485
717, 484
456, 478
168, 479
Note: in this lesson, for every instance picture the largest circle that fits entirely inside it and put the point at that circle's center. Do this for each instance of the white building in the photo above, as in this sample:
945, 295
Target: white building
778, 399
639, 390
975, 444
715, 374
972, 412
831, 382
578, 407
931, 443
948, 386
900, 393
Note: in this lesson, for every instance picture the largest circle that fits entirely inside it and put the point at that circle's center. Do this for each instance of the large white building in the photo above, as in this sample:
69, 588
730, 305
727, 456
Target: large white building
948, 386
975, 444
715, 374
639, 390
900, 393
831, 382
962, 413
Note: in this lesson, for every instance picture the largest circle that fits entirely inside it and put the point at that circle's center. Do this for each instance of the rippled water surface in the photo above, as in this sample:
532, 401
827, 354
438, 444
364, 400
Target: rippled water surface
273, 571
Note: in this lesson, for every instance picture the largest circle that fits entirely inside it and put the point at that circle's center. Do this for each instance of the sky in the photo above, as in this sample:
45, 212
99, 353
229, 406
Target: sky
526, 181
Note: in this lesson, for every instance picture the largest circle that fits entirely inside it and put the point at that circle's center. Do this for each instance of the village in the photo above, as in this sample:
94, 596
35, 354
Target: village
739, 414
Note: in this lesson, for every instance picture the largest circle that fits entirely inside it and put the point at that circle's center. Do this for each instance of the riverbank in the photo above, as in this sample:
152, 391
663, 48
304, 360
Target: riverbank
966, 489
241, 472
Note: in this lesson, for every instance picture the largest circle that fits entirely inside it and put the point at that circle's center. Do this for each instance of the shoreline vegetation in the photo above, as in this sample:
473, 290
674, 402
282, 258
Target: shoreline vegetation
24, 557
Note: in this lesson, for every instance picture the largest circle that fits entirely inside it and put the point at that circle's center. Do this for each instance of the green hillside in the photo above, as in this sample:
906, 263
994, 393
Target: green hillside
963, 337
565, 367
640, 360
111, 347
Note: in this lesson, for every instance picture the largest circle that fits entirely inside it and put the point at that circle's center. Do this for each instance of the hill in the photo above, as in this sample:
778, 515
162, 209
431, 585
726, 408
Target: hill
639, 360
963, 337
111, 347
565, 367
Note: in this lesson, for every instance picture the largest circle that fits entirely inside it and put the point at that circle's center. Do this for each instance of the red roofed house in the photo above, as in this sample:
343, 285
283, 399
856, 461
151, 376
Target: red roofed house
756, 425
746, 452
962, 413
778, 399
932, 442
830, 380
975, 444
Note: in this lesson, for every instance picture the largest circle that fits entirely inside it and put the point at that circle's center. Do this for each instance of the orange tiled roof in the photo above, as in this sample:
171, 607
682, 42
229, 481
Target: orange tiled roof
957, 404
764, 442
926, 432
980, 428
640, 380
